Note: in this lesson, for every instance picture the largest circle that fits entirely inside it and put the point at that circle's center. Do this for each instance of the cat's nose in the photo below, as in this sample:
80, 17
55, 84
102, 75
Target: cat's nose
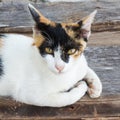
59, 67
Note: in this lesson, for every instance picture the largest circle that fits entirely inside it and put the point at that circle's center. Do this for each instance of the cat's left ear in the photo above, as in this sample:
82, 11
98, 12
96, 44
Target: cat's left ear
37, 16
85, 24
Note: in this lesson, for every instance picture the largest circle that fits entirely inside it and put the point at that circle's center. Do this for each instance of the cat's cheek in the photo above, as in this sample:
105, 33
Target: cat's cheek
49, 59
69, 65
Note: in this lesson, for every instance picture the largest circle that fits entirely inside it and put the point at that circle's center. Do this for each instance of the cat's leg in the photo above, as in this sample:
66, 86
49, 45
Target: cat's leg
94, 84
66, 98
60, 99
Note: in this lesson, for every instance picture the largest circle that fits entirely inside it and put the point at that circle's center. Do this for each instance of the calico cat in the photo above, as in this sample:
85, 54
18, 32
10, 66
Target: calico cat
48, 69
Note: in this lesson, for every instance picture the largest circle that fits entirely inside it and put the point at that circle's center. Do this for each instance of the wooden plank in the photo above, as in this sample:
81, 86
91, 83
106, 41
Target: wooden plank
105, 39
77, 111
97, 27
18, 29
16, 13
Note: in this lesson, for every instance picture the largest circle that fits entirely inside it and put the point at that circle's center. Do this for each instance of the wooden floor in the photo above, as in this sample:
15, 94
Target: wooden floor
102, 53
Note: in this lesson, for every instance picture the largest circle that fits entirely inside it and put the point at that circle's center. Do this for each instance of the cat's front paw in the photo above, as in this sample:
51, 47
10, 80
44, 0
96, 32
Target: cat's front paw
94, 91
82, 84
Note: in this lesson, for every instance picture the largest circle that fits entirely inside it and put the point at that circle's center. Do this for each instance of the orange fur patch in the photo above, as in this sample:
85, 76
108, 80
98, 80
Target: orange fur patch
38, 39
53, 24
82, 48
72, 34
82, 43
46, 21
77, 54
64, 25
69, 31
37, 36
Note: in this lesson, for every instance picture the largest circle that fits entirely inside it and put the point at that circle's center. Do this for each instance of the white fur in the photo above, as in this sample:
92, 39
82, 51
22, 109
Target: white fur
96, 87
57, 61
28, 79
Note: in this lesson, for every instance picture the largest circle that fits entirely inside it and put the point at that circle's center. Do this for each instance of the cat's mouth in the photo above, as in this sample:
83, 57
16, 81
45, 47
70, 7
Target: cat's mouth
58, 72
62, 72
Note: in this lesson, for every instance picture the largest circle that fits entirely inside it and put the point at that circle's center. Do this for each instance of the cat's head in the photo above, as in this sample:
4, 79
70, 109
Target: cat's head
60, 44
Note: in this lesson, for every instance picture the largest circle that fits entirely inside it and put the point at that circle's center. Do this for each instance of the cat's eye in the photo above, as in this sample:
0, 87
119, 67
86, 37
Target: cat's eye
48, 50
71, 51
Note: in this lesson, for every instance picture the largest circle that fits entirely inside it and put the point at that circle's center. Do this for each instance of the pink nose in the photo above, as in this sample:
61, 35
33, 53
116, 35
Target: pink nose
59, 68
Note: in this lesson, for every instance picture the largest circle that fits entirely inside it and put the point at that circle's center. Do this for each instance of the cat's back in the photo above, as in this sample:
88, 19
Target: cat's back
15, 50
14, 43
12, 40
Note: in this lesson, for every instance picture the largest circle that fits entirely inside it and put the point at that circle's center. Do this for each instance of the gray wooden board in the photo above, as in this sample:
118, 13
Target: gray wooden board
105, 60
16, 13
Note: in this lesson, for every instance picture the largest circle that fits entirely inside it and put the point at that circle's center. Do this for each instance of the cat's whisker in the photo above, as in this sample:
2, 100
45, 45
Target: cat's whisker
47, 35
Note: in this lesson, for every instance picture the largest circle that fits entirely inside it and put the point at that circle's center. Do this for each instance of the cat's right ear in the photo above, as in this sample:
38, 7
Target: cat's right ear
86, 23
37, 16
41, 23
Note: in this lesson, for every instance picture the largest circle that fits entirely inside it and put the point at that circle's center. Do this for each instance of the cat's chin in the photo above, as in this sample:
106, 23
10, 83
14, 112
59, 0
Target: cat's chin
59, 72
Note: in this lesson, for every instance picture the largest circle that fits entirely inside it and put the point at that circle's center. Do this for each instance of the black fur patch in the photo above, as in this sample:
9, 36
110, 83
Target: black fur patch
1, 67
35, 15
56, 36
2, 35
78, 31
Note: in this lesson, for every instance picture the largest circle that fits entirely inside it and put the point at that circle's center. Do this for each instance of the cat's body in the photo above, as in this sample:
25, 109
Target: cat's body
27, 75
45, 72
